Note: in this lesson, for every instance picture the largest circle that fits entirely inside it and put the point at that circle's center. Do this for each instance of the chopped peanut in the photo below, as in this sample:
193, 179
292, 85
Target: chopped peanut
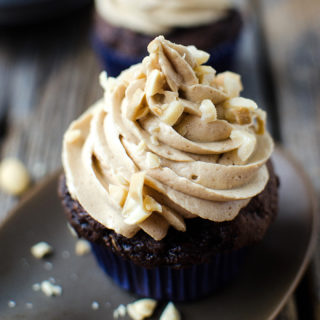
155, 82
153, 161
199, 55
141, 309
230, 82
172, 113
208, 111
14, 177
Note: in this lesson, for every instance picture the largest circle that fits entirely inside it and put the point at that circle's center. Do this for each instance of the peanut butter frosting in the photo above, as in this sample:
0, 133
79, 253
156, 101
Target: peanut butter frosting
171, 140
160, 16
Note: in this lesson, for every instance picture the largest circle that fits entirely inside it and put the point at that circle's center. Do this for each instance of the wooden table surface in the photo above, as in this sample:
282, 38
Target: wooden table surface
49, 76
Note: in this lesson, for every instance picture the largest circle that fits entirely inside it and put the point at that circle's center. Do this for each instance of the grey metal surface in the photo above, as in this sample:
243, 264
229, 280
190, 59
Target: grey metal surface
268, 277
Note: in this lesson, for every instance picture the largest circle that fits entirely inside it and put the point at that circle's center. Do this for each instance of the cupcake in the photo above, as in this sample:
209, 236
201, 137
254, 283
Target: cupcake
169, 175
123, 29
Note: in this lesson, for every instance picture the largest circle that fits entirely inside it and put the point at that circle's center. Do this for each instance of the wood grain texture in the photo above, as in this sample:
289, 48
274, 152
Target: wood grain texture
48, 76
292, 30
250, 64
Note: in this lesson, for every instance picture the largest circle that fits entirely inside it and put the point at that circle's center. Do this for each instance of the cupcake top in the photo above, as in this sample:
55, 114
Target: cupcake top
160, 16
171, 140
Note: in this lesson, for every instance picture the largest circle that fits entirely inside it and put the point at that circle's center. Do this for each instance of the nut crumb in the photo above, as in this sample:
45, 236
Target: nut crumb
153, 161
170, 313
41, 250
82, 247
72, 231
120, 311
14, 177
141, 309
36, 287
50, 289
199, 55
172, 113
208, 111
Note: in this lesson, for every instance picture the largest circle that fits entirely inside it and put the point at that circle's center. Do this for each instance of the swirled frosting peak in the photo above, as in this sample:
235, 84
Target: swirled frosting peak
171, 140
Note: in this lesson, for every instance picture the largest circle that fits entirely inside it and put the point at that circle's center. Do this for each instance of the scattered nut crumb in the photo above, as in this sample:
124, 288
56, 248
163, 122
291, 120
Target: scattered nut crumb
36, 287
199, 55
153, 161
95, 305
11, 304
82, 247
41, 249
50, 289
170, 313
72, 231
14, 177
172, 113
155, 82
208, 111
120, 311
141, 309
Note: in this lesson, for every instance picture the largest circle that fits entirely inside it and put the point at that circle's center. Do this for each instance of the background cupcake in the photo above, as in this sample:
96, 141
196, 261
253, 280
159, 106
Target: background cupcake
123, 29
169, 176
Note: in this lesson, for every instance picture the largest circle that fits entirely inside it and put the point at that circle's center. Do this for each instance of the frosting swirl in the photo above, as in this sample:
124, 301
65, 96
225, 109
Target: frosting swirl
160, 16
171, 140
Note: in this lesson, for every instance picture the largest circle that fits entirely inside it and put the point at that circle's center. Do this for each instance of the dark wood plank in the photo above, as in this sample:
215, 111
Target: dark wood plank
251, 65
292, 31
48, 76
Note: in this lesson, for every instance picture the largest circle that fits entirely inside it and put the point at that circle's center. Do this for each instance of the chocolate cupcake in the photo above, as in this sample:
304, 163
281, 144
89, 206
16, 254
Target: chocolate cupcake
123, 29
169, 175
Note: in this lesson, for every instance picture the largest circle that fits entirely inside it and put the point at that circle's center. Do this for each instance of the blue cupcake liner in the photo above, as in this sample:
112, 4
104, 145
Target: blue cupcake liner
221, 56
113, 61
167, 283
